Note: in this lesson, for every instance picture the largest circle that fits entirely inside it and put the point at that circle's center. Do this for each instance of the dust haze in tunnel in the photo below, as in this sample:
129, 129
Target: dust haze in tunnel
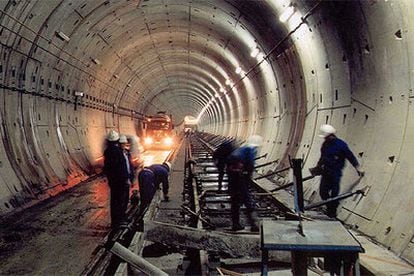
347, 63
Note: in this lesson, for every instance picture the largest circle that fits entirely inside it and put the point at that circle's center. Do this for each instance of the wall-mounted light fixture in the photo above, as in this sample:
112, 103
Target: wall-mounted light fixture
255, 52
96, 61
62, 36
79, 94
287, 14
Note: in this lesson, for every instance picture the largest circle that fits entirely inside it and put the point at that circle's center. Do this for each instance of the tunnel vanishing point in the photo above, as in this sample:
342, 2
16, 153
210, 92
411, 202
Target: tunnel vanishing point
72, 70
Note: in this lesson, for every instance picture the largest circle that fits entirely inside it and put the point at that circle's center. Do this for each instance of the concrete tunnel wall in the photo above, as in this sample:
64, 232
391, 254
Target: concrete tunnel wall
349, 64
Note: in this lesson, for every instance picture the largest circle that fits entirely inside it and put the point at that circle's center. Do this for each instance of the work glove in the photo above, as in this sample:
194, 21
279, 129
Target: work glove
360, 171
315, 171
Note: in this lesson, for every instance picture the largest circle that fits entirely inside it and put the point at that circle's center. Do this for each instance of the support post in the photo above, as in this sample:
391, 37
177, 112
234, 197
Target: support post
299, 263
298, 184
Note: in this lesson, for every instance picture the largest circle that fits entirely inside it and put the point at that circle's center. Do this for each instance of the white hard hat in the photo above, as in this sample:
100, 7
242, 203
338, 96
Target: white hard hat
167, 165
326, 130
123, 139
254, 141
112, 136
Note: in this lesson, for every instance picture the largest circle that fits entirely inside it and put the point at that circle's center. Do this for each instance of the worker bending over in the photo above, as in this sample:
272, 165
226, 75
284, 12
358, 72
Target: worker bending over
149, 180
147, 188
161, 172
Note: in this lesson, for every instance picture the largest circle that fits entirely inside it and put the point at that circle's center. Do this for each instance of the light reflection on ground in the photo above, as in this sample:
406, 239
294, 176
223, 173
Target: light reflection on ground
155, 156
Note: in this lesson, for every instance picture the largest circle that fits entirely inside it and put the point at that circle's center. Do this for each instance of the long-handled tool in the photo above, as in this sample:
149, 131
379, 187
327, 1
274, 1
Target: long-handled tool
272, 173
198, 216
339, 197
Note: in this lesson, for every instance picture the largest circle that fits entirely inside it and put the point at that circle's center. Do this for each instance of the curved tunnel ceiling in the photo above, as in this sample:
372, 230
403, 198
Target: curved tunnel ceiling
154, 39
72, 70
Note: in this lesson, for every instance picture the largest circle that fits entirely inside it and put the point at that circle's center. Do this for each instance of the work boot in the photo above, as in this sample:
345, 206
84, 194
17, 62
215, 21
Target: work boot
235, 218
237, 227
254, 228
252, 216
331, 211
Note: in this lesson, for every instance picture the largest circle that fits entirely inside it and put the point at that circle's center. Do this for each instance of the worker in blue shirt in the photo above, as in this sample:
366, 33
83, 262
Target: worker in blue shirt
240, 166
161, 172
334, 151
147, 188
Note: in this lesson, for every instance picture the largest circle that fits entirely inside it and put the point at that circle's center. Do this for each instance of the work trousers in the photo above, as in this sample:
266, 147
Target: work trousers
147, 191
119, 202
220, 169
329, 188
240, 194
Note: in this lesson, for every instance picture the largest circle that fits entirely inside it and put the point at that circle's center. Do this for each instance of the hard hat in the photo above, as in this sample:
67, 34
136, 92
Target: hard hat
123, 139
326, 130
254, 141
112, 136
167, 165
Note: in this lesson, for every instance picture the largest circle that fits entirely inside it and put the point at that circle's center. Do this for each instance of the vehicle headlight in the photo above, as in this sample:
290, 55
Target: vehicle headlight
148, 140
168, 141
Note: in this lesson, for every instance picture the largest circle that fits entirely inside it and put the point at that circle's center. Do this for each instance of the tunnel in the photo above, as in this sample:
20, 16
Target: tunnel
73, 70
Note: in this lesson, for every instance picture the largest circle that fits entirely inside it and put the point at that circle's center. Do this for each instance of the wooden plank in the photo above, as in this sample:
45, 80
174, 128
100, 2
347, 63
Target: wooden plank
234, 245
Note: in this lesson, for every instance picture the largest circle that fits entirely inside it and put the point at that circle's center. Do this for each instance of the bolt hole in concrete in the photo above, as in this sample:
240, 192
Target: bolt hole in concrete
388, 230
366, 119
366, 49
398, 35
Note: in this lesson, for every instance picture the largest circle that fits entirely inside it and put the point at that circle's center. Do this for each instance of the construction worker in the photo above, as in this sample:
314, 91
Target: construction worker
147, 188
240, 166
118, 174
334, 151
220, 156
161, 172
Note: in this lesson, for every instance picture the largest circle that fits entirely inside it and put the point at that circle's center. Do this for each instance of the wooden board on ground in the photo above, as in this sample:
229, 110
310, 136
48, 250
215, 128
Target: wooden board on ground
233, 245
240, 232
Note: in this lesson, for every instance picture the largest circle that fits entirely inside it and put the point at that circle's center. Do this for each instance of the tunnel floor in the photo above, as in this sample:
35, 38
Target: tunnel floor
58, 235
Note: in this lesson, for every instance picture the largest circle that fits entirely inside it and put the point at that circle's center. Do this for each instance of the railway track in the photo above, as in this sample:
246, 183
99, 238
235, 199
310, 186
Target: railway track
209, 209
215, 205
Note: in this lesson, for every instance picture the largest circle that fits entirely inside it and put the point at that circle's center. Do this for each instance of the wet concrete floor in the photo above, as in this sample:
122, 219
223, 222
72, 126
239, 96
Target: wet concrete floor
57, 236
